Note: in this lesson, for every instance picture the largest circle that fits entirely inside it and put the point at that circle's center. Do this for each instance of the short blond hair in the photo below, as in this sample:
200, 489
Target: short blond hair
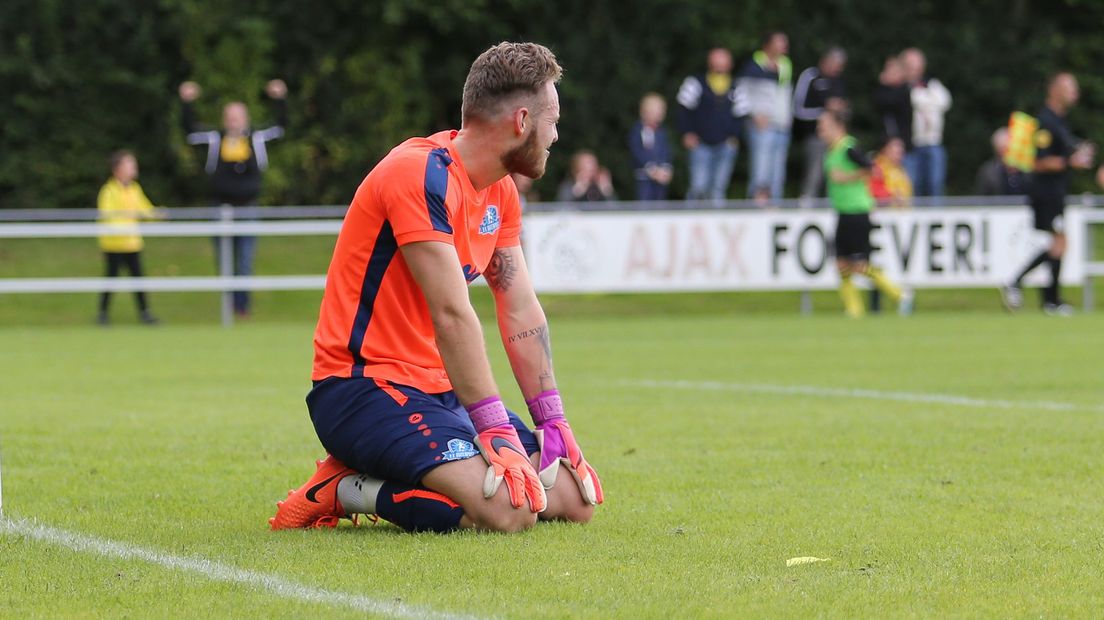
503, 72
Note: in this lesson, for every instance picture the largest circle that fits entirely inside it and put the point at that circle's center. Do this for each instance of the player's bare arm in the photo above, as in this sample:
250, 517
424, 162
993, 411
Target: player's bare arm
521, 322
459, 336
525, 336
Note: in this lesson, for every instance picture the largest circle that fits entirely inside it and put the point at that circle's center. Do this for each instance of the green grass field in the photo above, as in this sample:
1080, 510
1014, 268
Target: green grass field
948, 465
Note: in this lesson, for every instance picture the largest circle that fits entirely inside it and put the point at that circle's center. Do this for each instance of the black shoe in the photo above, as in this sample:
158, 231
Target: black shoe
148, 318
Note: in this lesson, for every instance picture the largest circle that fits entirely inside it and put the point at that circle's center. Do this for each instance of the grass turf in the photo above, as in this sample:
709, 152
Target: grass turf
180, 438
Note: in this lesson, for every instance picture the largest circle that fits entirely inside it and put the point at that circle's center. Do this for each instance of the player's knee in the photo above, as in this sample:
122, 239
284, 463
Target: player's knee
578, 513
507, 520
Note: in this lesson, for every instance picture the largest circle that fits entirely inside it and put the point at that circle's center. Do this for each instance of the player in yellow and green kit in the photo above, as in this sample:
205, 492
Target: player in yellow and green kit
846, 170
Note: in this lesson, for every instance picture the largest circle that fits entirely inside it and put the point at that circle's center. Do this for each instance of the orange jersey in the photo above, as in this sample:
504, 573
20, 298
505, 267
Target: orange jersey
374, 320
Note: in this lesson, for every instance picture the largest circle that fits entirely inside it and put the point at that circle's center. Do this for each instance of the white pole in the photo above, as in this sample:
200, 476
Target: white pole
1, 489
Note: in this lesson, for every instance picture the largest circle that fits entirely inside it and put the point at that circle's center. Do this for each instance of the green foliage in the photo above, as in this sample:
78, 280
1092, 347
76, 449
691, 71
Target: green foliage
84, 78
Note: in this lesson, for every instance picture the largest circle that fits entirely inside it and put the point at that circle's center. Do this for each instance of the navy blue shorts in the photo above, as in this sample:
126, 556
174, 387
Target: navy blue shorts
395, 432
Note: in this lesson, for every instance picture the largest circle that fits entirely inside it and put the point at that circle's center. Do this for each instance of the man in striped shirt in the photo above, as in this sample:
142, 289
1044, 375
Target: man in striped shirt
818, 88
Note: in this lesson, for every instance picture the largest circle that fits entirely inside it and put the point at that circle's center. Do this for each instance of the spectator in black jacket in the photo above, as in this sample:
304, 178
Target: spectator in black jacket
236, 157
709, 127
893, 102
650, 150
818, 89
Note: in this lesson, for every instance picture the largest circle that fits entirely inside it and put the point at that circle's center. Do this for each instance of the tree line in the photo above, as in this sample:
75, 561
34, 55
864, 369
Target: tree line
82, 79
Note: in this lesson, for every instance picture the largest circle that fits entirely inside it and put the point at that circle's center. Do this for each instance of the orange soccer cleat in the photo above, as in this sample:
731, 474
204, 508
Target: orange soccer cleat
314, 504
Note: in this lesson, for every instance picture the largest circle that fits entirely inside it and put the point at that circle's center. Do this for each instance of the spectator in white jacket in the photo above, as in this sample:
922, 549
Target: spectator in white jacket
926, 163
765, 88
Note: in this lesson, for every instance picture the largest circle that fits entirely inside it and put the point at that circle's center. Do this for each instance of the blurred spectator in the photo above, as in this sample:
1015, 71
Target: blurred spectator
650, 150
121, 203
927, 161
889, 183
818, 88
588, 182
996, 178
709, 127
765, 83
236, 157
893, 102
526, 193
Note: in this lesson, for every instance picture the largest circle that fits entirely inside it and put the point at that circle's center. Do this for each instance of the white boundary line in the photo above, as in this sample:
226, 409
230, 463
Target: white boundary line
216, 571
906, 397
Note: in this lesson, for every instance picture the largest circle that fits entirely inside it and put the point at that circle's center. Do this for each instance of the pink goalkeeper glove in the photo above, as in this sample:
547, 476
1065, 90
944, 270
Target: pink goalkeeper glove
557, 444
506, 458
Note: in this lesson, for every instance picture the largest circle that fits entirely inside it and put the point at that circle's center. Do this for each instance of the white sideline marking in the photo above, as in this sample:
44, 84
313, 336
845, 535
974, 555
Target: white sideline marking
216, 571
906, 397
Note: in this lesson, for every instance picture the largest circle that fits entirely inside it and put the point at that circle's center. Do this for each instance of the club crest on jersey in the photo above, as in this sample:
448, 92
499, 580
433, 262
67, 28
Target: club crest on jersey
458, 450
490, 222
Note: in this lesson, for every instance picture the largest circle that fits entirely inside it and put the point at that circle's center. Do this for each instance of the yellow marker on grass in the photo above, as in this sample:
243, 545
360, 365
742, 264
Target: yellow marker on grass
805, 560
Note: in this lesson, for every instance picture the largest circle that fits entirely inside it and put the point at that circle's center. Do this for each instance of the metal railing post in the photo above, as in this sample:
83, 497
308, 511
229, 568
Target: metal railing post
226, 264
1087, 297
806, 295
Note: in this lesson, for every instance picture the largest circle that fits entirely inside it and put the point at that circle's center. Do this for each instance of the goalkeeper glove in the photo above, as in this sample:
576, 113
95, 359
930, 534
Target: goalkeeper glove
558, 444
506, 457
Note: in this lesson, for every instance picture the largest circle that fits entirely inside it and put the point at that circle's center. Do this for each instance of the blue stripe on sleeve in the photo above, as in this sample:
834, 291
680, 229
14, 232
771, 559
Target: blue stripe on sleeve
436, 185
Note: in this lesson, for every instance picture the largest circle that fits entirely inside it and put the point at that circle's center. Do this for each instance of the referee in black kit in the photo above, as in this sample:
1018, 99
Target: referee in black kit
1058, 152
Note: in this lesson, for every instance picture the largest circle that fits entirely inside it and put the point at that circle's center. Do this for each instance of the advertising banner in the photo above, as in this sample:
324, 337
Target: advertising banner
571, 252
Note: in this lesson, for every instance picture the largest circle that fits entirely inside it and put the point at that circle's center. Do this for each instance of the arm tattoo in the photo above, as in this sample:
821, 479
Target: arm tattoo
540, 332
547, 379
501, 271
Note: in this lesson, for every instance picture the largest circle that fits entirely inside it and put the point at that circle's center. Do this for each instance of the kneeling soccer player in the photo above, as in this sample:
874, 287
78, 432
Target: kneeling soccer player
846, 169
404, 399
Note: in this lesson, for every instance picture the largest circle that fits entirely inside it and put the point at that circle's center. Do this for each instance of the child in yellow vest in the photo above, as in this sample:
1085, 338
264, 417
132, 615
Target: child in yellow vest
121, 204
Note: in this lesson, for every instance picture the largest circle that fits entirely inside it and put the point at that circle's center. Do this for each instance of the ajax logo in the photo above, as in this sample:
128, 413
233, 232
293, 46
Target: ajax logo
490, 221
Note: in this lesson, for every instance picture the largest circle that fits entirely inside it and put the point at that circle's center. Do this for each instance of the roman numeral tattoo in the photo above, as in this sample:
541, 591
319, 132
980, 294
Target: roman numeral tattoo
547, 379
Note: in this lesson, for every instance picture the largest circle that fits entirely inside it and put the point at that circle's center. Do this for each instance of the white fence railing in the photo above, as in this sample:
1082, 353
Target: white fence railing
548, 244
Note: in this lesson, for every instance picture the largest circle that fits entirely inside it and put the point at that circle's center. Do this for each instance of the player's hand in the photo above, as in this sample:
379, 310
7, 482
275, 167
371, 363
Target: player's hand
276, 89
189, 91
690, 140
1082, 158
558, 445
508, 462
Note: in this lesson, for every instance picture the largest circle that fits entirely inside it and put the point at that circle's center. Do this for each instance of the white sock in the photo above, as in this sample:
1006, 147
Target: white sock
357, 494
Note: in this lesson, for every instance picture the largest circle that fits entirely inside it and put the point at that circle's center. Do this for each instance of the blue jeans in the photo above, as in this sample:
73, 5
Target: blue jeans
927, 169
244, 250
767, 151
648, 189
711, 170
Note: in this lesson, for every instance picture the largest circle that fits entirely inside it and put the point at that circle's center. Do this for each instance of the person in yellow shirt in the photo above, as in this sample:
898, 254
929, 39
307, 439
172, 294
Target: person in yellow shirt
121, 204
889, 183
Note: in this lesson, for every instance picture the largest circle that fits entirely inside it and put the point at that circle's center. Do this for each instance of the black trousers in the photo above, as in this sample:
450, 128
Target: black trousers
113, 263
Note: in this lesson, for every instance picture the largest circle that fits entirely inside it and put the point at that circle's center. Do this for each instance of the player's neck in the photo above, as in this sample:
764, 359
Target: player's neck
482, 161
1056, 107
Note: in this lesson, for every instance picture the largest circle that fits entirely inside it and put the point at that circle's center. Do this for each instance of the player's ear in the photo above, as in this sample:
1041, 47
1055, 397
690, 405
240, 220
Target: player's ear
522, 119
